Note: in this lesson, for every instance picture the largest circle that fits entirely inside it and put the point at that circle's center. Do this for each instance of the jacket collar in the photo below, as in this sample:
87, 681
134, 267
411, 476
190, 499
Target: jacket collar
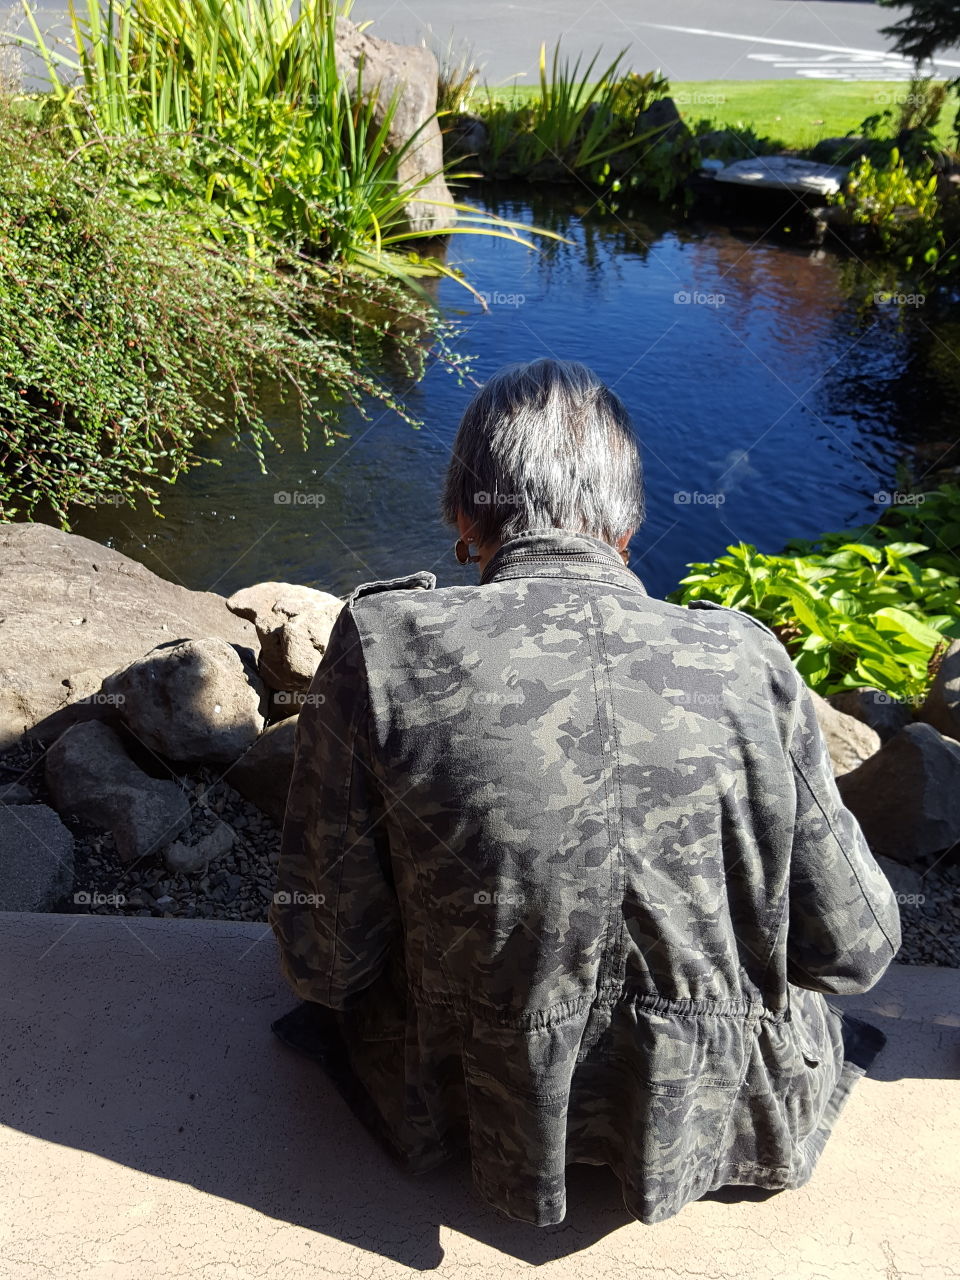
560, 553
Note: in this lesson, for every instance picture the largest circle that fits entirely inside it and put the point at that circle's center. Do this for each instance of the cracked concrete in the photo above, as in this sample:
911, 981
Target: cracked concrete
152, 1127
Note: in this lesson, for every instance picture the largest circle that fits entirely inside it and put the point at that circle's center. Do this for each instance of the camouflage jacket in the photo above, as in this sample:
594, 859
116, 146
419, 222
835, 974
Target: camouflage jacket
571, 865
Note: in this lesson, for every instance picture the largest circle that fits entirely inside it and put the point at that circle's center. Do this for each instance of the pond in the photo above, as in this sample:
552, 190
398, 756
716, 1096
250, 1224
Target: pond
772, 401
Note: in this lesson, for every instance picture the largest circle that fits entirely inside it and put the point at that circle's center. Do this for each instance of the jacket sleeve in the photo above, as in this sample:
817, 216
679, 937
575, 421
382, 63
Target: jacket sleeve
335, 912
844, 924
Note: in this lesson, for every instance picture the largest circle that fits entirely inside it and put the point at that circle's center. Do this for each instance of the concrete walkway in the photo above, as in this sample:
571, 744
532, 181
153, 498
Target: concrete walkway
152, 1127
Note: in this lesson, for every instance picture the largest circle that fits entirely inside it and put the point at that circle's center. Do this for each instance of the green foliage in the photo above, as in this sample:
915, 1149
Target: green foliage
870, 606
586, 124
929, 25
900, 209
128, 334
247, 95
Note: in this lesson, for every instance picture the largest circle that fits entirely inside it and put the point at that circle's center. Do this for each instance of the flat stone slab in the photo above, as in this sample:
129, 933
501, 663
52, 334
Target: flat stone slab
36, 858
153, 1127
784, 173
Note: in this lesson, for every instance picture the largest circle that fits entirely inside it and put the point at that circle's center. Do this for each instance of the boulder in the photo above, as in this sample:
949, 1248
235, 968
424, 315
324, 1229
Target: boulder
883, 713
192, 703
904, 881
907, 796
290, 655
664, 117
942, 705
92, 780
409, 73
784, 173
36, 858
849, 741
466, 135
195, 858
15, 793
270, 604
263, 774
73, 611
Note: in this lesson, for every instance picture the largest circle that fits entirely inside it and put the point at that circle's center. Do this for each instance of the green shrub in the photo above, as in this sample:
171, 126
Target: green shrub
898, 207
126, 337
866, 607
247, 96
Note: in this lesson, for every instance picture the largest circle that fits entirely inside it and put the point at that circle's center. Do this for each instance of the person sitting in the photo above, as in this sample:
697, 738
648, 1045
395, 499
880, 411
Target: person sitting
565, 874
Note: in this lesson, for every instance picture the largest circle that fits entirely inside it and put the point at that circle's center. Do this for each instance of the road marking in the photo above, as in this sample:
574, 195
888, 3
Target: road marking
793, 44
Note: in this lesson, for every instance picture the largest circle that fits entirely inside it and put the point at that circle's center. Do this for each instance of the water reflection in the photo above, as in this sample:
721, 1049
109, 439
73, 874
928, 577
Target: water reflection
773, 395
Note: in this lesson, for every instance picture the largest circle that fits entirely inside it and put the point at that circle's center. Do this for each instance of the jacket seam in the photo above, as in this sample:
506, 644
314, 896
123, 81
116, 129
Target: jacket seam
840, 845
360, 706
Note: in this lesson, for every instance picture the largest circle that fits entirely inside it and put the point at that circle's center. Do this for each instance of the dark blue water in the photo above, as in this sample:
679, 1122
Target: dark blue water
771, 402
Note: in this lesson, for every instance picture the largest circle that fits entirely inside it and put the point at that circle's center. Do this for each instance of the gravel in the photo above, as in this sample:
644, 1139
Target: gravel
238, 883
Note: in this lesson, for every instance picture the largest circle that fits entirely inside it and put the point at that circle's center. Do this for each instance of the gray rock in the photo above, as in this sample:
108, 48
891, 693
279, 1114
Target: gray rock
71, 612
270, 604
92, 780
873, 707
664, 117
466, 135
192, 703
263, 774
942, 706
191, 859
36, 858
784, 173
409, 73
907, 796
904, 881
290, 655
849, 741
15, 793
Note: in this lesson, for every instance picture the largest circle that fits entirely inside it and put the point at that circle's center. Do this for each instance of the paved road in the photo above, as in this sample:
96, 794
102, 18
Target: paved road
687, 39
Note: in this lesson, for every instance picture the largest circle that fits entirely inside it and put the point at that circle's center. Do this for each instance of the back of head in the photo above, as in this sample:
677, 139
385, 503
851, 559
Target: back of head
545, 446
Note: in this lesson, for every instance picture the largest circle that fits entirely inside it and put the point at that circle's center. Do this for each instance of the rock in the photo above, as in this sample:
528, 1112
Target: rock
15, 793
466, 135
36, 858
192, 703
270, 604
72, 611
664, 117
92, 780
904, 881
883, 713
840, 151
907, 796
849, 741
409, 73
290, 655
942, 705
263, 774
784, 173
193, 858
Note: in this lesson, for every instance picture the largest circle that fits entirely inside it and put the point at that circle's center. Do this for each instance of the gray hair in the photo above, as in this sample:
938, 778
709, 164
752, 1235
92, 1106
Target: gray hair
545, 446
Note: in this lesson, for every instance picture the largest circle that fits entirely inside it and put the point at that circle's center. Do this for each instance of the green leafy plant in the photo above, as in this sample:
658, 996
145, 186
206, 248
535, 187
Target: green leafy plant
875, 611
248, 95
899, 208
127, 337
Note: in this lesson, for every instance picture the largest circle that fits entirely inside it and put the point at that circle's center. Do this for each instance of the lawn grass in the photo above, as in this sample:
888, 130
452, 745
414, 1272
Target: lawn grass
797, 112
